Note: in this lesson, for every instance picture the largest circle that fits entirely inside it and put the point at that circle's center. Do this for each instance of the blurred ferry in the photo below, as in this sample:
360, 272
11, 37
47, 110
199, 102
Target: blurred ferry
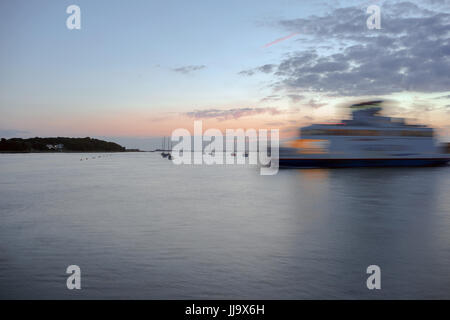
367, 140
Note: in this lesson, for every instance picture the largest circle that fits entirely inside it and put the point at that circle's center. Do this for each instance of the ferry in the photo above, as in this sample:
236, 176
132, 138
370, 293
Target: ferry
367, 140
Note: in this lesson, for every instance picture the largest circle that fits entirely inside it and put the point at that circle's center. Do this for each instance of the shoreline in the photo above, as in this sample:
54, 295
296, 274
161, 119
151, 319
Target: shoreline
56, 152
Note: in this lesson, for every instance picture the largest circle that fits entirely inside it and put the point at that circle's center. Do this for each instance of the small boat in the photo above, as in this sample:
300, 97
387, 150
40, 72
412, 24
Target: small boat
164, 154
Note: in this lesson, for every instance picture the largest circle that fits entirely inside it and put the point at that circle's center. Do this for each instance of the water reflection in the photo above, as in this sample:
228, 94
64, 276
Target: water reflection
140, 227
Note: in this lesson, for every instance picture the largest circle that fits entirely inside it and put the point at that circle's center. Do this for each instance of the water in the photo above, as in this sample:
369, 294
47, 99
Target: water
140, 227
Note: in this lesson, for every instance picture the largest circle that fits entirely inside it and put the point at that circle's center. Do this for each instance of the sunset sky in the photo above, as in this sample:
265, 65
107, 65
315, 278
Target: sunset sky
139, 69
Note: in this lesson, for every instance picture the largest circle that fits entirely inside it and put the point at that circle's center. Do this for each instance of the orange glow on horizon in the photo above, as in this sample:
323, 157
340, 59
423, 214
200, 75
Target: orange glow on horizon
141, 123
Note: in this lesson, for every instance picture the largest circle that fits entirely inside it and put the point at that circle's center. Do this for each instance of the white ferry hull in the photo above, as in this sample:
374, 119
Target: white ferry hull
366, 140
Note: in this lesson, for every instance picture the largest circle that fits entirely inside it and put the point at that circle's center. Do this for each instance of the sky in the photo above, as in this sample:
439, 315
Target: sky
138, 69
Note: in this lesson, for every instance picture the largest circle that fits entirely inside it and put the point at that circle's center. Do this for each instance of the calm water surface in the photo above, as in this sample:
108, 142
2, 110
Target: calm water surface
140, 227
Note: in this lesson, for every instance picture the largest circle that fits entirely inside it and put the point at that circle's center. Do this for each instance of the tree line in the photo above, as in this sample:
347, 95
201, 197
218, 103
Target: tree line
63, 144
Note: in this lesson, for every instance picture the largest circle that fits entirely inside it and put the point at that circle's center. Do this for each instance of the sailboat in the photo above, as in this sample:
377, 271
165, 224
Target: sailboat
169, 154
163, 153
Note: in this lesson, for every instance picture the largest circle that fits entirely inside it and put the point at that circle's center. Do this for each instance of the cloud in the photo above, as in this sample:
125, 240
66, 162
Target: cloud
189, 69
295, 97
235, 113
267, 68
315, 105
292, 97
274, 97
411, 52
443, 97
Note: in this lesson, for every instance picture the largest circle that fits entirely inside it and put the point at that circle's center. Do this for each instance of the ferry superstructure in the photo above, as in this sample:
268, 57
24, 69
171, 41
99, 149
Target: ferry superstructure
368, 139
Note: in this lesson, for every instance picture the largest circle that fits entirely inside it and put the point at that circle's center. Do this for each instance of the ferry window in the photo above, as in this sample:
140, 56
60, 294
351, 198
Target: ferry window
340, 132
